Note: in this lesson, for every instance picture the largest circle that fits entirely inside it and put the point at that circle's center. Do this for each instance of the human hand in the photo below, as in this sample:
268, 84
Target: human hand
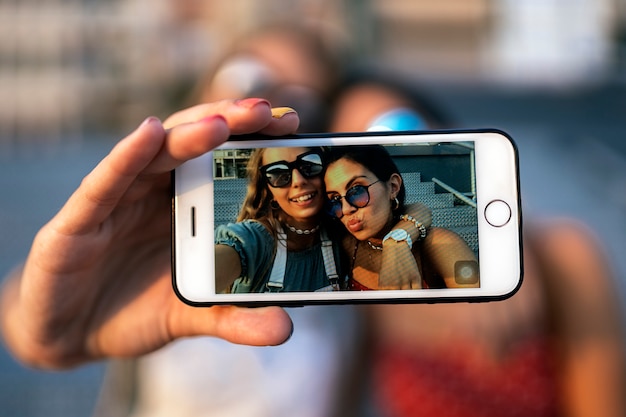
398, 269
97, 281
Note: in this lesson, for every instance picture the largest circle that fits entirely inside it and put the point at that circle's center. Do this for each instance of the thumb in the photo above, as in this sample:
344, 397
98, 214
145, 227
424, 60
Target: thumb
265, 326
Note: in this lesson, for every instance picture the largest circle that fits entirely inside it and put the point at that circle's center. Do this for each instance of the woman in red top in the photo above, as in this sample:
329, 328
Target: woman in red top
366, 194
556, 348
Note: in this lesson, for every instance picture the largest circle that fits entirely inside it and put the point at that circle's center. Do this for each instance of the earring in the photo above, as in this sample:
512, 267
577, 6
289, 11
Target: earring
274, 205
396, 204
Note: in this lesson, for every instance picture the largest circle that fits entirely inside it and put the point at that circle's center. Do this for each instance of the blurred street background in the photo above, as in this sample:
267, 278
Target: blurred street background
77, 75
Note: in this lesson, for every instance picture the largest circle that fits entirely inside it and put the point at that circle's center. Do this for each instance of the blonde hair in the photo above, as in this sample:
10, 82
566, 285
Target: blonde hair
257, 202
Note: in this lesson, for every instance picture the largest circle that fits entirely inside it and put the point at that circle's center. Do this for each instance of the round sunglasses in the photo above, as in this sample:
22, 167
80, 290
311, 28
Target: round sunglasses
279, 174
357, 196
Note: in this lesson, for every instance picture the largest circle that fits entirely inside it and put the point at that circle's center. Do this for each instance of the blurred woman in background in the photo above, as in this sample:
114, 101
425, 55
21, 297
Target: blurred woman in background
556, 348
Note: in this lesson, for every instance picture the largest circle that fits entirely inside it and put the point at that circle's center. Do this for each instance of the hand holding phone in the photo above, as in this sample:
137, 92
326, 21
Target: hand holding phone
314, 219
97, 280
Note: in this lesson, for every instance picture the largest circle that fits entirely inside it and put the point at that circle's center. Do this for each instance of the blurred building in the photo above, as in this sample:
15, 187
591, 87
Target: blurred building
71, 65
231, 163
41, 69
528, 43
68, 66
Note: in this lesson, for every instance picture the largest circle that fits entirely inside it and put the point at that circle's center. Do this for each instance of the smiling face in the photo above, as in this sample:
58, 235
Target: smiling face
302, 198
372, 220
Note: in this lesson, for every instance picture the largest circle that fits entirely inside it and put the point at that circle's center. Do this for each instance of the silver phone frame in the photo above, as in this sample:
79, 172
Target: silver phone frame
497, 178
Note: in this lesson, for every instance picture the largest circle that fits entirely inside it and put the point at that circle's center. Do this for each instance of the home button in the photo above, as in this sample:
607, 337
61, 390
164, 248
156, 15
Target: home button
498, 213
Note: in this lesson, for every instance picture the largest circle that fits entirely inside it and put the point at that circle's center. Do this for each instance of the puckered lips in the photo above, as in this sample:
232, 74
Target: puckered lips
354, 224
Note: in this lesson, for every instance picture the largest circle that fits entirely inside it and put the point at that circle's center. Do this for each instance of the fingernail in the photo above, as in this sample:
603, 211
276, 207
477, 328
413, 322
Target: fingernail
212, 118
149, 120
249, 103
279, 112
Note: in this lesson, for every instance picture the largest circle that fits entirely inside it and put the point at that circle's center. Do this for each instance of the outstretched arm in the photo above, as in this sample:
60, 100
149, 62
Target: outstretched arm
97, 280
399, 269
443, 249
586, 317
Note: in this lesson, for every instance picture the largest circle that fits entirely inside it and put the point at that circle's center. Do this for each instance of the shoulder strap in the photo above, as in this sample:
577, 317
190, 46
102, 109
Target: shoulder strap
329, 260
277, 276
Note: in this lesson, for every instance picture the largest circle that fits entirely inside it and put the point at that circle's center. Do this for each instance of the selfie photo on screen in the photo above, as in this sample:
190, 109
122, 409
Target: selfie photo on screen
418, 201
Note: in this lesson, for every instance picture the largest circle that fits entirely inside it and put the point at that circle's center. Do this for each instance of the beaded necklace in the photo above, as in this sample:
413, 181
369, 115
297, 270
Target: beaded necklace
301, 231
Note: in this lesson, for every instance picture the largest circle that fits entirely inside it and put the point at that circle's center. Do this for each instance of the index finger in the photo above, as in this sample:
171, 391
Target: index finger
184, 142
145, 151
243, 116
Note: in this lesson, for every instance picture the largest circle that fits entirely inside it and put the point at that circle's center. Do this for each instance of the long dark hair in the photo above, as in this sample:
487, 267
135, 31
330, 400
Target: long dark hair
376, 159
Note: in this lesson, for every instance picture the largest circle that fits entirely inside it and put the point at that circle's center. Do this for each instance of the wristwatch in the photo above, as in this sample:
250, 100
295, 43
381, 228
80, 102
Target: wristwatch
399, 235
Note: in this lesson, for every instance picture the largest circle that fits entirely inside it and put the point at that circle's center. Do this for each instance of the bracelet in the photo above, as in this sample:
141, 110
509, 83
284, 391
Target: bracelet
417, 223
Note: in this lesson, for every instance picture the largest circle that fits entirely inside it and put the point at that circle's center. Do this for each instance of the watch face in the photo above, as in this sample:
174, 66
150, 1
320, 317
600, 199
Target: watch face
399, 234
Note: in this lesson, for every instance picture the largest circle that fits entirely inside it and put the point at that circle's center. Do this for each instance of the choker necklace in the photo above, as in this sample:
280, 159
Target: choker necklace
375, 247
303, 232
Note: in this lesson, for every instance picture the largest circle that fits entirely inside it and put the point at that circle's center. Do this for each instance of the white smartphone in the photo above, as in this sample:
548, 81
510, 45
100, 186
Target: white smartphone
233, 241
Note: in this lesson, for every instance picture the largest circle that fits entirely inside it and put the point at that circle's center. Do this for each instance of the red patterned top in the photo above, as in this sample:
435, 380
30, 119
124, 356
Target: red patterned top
455, 383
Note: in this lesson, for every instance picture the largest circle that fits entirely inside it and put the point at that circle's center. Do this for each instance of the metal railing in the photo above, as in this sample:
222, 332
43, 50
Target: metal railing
455, 192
